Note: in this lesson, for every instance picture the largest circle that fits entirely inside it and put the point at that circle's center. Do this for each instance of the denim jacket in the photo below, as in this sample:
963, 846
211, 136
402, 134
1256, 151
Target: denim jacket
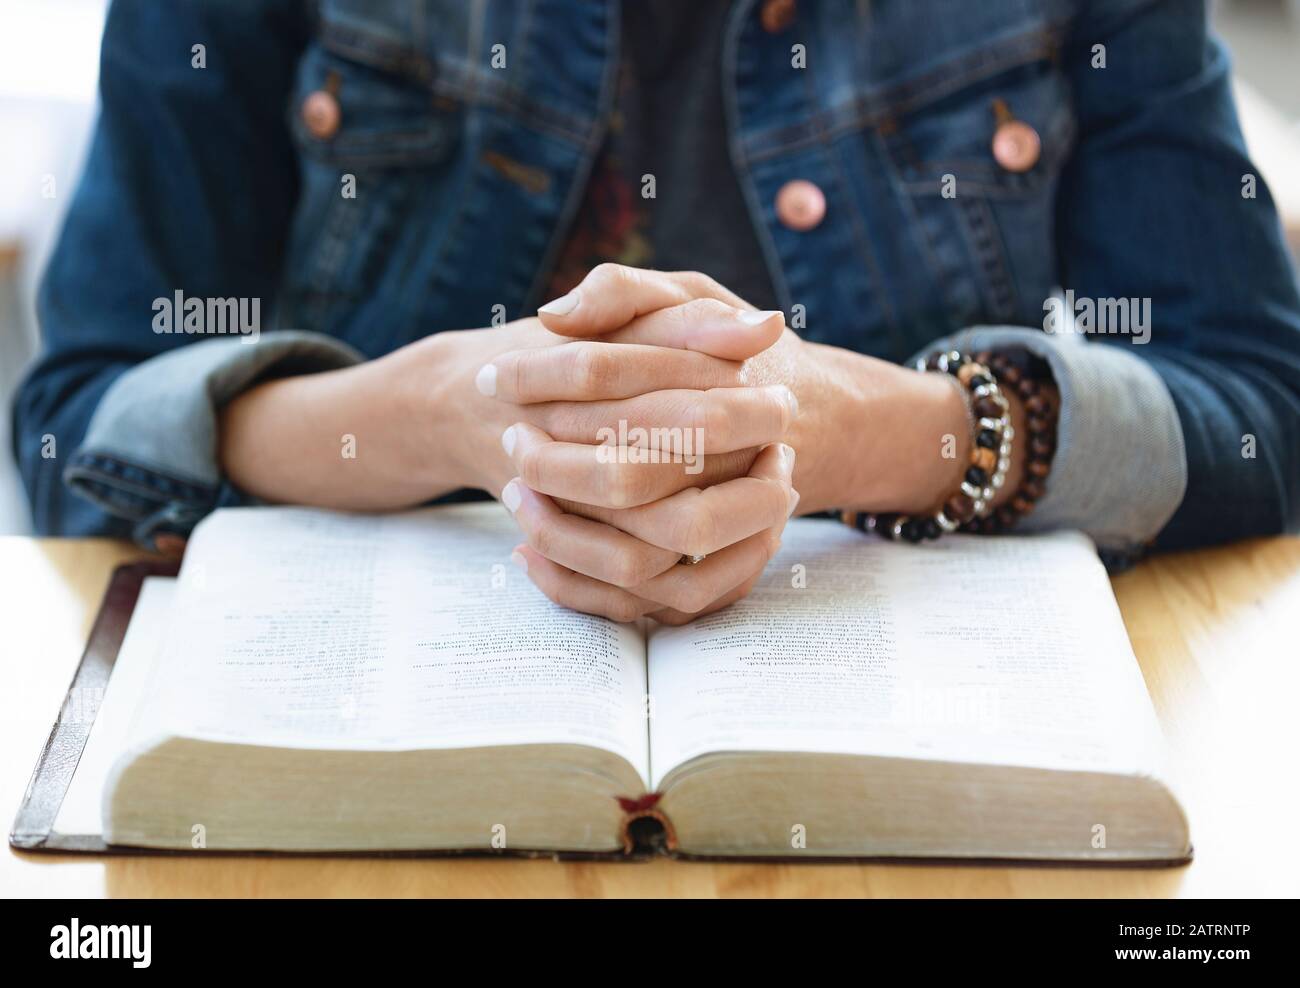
468, 130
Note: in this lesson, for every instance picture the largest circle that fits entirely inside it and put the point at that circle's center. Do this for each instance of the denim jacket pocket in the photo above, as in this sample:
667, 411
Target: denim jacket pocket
369, 159
387, 112
986, 226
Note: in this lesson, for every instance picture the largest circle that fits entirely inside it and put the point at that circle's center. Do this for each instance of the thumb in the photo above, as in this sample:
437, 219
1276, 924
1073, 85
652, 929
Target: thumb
706, 326
776, 462
681, 310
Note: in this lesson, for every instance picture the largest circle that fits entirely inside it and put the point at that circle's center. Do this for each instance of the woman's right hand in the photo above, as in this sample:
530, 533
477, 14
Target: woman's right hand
428, 418
651, 378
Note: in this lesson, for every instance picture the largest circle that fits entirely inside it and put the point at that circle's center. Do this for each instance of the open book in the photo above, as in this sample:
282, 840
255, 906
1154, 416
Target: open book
316, 681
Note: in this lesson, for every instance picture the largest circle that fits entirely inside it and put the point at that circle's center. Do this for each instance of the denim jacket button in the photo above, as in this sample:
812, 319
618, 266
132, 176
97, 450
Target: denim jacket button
777, 15
1016, 146
320, 112
800, 205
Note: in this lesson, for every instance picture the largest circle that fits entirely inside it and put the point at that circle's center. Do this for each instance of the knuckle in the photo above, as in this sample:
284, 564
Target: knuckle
590, 511
532, 467
558, 596
777, 496
698, 534
699, 283
678, 316
521, 371
551, 417
673, 596
626, 568
568, 596
652, 563
544, 538
617, 494
692, 599
775, 407
595, 367
712, 413
608, 275
624, 609
571, 422
787, 410
700, 309
626, 485
721, 467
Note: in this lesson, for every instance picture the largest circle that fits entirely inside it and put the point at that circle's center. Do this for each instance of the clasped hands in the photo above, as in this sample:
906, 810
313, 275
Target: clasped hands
653, 360
659, 363
644, 440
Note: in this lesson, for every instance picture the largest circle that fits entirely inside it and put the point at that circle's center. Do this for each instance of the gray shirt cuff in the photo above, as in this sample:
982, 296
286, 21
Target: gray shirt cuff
153, 437
1120, 468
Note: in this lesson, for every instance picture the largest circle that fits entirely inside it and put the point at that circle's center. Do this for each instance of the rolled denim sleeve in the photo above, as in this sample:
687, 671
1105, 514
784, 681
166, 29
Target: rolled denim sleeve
1160, 202
1120, 469
189, 185
1189, 436
150, 451
1192, 437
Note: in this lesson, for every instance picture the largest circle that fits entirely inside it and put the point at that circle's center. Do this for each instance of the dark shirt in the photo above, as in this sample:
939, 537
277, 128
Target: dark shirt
669, 123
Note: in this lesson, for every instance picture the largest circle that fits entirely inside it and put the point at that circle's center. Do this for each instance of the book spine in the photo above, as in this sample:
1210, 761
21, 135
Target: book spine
646, 828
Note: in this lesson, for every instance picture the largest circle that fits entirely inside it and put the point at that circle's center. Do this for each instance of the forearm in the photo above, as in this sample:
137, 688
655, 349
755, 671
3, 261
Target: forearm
358, 438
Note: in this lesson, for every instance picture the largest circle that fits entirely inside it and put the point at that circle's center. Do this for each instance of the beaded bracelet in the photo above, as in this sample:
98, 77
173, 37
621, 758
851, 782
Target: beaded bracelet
990, 458
970, 510
1041, 416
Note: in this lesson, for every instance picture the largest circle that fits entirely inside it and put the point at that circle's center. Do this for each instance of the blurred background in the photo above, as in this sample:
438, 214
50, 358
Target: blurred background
49, 52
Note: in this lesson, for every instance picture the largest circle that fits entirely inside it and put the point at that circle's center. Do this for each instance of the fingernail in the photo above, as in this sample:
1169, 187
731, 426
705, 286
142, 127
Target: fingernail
519, 560
511, 496
508, 441
787, 456
563, 305
789, 398
486, 380
758, 318
794, 501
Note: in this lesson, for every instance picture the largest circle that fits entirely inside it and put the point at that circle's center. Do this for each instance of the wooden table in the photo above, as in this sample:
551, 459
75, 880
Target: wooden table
1215, 632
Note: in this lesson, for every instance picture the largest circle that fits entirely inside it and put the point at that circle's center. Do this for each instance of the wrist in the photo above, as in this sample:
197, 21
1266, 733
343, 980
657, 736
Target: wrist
424, 384
875, 436
939, 432
933, 443
913, 440
462, 425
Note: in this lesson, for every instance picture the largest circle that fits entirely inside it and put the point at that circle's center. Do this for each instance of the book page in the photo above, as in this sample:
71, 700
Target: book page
307, 628
1006, 650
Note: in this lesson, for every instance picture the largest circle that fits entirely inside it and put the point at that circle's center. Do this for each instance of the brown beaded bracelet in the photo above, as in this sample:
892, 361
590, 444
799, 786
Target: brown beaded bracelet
1041, 416
989, 458
969, 510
